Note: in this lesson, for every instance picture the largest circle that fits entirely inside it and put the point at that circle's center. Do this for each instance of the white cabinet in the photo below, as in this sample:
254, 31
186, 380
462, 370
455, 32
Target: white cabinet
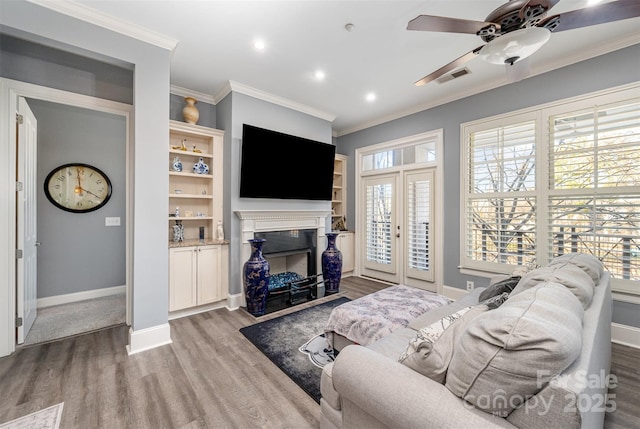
345, 242
198, 275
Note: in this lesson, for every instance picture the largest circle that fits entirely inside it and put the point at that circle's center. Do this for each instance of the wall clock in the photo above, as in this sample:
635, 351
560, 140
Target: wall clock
77, 188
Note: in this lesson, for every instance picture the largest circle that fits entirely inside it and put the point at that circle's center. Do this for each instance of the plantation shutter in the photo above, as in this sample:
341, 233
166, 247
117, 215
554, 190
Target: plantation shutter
379, 200
594, 186
418, 200
500, 196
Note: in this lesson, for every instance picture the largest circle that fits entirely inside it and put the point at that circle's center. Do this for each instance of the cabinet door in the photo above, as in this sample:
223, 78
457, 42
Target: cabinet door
182, 278
346, 246
208, 274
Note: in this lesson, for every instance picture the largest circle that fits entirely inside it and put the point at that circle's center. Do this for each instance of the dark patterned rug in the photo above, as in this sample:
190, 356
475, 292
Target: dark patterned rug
280, 340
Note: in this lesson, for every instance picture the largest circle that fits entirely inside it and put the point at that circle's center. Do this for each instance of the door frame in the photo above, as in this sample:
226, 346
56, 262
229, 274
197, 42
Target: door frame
434, 135
10, 90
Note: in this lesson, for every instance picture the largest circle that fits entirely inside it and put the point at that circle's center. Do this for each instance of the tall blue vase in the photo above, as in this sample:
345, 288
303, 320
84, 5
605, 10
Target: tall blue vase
256, 279
331, 265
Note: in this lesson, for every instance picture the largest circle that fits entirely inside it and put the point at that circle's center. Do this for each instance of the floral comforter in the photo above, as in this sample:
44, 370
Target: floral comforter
373, 316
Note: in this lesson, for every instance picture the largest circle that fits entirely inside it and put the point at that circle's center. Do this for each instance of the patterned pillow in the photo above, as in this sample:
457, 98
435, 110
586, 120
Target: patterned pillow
430, 352
499, 288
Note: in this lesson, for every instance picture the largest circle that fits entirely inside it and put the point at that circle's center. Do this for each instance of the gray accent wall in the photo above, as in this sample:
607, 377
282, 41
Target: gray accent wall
606, 71
235, 110
77, 251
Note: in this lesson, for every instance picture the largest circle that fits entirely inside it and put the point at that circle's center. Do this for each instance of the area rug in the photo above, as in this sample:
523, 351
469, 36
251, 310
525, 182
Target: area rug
281, 338
49, 418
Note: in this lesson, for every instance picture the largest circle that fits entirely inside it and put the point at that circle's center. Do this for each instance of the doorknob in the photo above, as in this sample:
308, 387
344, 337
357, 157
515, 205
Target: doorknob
38, 244
398, 233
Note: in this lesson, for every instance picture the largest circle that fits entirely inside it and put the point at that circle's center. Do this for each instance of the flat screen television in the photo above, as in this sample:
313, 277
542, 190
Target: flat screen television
281, 166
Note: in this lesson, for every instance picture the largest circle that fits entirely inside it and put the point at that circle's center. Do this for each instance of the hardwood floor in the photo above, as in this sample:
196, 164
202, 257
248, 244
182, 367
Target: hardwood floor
210, 377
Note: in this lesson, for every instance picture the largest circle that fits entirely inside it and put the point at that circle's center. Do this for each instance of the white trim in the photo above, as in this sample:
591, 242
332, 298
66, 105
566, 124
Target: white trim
200, 96
149, 338
80, 296
625, 335
197, 310
95, 17
10, 90
240, 88
453, 292
234, 301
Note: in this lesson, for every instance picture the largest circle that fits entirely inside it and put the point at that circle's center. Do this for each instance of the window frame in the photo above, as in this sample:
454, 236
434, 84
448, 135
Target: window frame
542, 114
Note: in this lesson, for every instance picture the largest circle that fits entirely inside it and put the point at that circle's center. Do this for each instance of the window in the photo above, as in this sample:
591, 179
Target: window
555, 180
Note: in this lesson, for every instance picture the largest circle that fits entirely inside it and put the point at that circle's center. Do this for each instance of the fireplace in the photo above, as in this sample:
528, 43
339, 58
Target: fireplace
292, 259
291, 247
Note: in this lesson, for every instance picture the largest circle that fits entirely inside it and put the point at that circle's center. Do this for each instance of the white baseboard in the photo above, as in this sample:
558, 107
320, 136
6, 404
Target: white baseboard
453, 292
235, 301
625, 335
149, 338
79, 296
196, 310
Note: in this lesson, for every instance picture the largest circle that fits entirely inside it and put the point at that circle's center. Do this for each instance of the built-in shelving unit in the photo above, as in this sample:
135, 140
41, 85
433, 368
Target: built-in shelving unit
339, 196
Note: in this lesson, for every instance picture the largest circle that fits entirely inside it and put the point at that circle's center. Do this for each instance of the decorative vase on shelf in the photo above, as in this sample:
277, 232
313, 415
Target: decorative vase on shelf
331, 265
178, 231
200, 167
190, 112
220, 231
256, 279
177, 164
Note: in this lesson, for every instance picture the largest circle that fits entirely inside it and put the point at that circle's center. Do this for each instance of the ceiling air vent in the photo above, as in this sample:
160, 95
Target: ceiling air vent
454, 75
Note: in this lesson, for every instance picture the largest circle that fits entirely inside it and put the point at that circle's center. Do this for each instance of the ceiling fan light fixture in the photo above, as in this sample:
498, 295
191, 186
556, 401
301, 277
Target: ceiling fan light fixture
514, 46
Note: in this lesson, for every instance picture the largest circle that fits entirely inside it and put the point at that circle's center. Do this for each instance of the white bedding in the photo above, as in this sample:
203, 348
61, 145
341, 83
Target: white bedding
373, 316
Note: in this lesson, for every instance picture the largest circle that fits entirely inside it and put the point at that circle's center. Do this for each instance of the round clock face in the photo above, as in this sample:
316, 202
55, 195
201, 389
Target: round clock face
77, 188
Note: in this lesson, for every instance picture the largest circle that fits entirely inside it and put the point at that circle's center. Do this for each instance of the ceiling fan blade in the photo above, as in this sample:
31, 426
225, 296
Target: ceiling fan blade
449, 25
451, 66
594, 15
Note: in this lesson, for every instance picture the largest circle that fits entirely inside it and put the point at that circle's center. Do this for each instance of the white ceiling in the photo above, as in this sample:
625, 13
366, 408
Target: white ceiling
215, 46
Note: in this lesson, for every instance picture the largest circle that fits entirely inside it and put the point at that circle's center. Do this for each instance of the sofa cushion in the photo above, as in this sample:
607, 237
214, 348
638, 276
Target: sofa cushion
570, 276
588, 263
506, 355
503, 286
430, 352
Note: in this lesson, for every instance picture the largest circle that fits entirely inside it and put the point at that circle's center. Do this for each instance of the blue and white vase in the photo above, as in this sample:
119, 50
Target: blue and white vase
256, 279
177, 164
200, 167
331, 265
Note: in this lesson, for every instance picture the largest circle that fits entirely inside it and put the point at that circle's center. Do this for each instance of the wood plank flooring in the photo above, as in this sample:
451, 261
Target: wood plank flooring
210, 377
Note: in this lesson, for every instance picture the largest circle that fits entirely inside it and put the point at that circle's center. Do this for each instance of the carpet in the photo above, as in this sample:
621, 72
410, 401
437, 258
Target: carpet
49, 418
65, 320
281, 338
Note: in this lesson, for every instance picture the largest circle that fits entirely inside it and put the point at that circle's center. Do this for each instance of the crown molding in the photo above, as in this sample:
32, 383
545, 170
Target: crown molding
92, 16
200, 96
274, 99
502, 80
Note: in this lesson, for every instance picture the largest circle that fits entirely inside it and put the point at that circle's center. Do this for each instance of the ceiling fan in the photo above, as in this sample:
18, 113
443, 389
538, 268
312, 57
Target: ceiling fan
518, 28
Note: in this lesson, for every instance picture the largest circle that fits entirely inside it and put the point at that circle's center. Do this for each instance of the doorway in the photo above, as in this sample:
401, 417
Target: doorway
399, 211
68, 243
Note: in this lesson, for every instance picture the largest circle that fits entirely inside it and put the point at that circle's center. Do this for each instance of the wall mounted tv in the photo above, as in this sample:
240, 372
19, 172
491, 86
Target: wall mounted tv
282, 166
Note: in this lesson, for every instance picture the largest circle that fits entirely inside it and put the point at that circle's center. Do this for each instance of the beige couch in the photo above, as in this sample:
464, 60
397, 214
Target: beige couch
540, 360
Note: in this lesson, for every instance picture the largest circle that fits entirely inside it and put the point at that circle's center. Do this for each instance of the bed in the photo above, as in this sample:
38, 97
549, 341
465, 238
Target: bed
367, 319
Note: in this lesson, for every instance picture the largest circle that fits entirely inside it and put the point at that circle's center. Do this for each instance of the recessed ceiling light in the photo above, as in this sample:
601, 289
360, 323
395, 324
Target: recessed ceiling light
370, 97
259, 44
319, 75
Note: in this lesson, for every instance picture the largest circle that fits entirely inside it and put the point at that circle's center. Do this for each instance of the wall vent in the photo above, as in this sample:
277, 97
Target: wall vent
454, 75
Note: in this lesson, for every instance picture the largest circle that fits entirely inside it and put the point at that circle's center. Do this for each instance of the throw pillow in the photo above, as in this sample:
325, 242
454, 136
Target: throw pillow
505, 356
430, 352
506, 285
588, 263
568, 275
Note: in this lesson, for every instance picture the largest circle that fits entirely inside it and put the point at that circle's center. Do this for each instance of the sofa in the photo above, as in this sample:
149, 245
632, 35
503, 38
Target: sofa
534, 355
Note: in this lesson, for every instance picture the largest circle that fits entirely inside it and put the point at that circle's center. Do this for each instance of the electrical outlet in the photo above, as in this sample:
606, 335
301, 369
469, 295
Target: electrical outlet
469, 285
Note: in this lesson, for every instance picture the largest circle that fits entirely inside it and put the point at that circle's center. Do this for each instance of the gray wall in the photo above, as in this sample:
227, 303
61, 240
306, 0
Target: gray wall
232, 114
616, 68
150, 95
78, 252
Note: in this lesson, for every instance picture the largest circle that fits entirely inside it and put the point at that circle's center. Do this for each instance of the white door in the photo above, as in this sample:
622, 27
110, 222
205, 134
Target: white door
419, 226
381, 229
27, 267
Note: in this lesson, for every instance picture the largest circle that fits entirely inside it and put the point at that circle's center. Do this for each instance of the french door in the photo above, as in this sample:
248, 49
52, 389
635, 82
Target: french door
399, 227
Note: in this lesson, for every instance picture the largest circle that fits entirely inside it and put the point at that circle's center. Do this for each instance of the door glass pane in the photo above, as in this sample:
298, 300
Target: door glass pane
418, 200
378, 223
